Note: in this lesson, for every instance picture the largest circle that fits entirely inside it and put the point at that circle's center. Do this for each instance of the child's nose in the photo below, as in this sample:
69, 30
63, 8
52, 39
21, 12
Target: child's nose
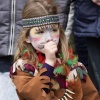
48, 37
49, 40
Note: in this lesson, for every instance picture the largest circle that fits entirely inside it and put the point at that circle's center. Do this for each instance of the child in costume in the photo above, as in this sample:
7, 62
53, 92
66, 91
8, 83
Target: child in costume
44, 68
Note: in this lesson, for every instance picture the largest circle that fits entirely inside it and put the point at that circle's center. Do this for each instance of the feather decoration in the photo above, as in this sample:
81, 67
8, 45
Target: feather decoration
61, 55
81, 73
71, 62
59, 70
26, 53
72, 58
40, 65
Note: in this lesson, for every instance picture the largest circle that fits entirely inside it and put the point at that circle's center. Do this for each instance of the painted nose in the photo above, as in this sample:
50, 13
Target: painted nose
48, 37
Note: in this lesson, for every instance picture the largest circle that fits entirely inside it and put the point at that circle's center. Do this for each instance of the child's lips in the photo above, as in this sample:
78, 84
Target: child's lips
40, 46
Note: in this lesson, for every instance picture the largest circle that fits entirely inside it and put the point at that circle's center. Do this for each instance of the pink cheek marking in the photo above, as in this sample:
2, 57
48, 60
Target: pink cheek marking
56, 36
36, 39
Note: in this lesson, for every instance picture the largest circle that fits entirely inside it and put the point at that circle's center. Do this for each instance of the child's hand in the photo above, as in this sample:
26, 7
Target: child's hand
96, 2
50, 49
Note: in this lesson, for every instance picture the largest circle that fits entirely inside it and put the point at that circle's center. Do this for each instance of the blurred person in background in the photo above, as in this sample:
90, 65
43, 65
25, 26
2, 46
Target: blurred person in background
86, 31
66, 14
10, 24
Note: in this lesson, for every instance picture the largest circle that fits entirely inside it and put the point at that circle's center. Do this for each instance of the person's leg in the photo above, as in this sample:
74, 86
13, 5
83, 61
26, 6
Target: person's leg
5, 63
93, 45
6, 86
92, 74
81, 50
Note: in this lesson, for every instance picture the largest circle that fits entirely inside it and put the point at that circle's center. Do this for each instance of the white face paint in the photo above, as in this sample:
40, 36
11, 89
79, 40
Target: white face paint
39, 36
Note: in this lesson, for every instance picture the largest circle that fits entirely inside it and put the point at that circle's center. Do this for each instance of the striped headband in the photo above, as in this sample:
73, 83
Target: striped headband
39, 21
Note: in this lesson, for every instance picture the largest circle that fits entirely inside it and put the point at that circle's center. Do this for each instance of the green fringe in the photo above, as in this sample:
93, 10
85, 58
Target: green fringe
26, 50
72, 62
81, 72
40, 65
59, 70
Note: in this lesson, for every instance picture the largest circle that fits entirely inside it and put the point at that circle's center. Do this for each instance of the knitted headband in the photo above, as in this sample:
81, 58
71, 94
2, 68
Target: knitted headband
39, 21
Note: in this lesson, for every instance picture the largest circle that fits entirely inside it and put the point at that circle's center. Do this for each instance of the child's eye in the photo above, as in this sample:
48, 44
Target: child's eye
54, 30
40, 32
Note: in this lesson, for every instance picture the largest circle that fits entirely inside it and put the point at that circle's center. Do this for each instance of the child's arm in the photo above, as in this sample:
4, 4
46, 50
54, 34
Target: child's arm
89, 90
50, 49
29, 86
81, 84
97, 2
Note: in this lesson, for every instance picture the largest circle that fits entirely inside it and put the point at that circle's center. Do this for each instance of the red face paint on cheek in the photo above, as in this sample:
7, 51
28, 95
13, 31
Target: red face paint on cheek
56, 36
36, 39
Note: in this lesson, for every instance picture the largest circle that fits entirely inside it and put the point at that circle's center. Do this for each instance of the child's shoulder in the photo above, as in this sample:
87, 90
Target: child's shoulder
24, 66
77, 70
19, 64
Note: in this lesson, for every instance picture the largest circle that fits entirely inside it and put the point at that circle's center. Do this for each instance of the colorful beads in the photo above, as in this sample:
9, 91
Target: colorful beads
38, 21
66, 84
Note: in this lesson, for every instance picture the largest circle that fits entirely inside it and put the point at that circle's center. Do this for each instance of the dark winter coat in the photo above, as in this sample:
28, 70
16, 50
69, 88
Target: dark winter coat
87, 19
10, 24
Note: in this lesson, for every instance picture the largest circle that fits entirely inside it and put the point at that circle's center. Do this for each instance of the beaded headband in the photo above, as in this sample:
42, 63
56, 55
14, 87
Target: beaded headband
39, 21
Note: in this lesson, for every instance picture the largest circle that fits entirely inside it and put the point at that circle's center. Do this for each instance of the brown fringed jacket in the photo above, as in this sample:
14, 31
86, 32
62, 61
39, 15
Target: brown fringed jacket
49, 83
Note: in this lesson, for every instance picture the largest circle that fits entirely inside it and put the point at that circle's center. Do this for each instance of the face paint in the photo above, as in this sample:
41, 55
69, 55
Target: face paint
39, 37
37, 43
48, 37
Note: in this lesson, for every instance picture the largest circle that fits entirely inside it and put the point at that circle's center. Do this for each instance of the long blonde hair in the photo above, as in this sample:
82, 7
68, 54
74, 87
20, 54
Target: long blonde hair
37, 8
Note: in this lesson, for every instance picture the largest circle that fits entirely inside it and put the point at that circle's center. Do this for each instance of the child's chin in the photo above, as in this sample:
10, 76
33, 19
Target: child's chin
41, 50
